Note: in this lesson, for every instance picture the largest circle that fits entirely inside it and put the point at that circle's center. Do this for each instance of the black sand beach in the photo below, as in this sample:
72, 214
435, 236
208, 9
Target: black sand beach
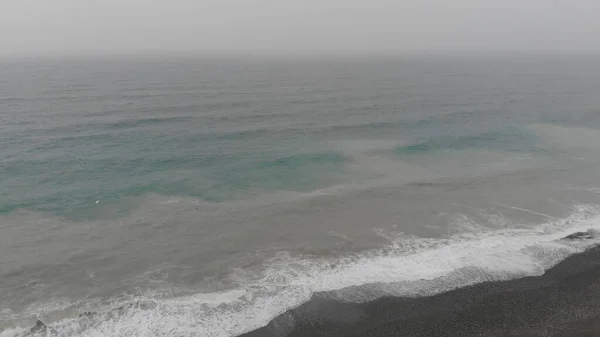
565, 301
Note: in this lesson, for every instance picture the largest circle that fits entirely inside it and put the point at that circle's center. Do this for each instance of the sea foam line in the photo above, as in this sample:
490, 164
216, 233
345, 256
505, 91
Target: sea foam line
407, 267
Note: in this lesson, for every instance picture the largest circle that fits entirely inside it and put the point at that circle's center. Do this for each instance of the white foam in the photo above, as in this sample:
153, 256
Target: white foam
211, 298
408, 267
13, 332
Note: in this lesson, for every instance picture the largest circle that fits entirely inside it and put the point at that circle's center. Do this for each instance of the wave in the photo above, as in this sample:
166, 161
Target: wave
132, 123
505, 139
415, 148
409, 267
306, 159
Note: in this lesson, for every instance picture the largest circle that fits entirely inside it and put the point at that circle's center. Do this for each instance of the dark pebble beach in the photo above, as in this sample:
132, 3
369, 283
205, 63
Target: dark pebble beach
565, 301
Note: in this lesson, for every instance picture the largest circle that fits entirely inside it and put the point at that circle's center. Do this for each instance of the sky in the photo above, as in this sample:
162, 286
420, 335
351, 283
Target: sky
65, 27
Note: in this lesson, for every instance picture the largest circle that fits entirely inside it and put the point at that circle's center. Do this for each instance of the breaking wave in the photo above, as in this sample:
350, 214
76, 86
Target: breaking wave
409, 267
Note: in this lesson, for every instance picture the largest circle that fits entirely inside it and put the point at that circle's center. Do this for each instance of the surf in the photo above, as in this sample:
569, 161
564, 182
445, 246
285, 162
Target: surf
407, 267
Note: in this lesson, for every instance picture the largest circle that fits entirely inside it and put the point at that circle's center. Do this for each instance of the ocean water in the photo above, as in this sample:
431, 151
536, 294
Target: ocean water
204, 197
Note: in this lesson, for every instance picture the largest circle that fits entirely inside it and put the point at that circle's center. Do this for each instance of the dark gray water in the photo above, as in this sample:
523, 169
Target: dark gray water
185, 197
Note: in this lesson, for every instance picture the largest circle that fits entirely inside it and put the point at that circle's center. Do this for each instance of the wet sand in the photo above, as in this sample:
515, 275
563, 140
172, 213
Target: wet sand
565, 301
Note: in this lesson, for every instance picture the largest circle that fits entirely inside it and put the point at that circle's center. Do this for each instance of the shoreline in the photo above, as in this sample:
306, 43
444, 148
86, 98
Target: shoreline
564, 301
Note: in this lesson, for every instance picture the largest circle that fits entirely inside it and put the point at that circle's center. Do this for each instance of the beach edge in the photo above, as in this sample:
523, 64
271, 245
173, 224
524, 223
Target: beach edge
564, 301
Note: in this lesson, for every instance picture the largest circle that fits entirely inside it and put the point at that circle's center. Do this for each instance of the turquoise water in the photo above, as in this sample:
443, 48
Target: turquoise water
77, 133
191, 195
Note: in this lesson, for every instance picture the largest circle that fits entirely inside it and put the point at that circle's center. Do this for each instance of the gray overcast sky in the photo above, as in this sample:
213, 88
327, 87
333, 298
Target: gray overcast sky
281, 26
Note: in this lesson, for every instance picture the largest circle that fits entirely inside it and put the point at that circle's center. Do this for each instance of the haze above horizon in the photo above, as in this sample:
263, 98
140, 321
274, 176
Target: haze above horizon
270, 27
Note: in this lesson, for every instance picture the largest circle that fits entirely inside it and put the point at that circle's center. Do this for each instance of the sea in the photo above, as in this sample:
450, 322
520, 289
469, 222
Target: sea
205, 196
